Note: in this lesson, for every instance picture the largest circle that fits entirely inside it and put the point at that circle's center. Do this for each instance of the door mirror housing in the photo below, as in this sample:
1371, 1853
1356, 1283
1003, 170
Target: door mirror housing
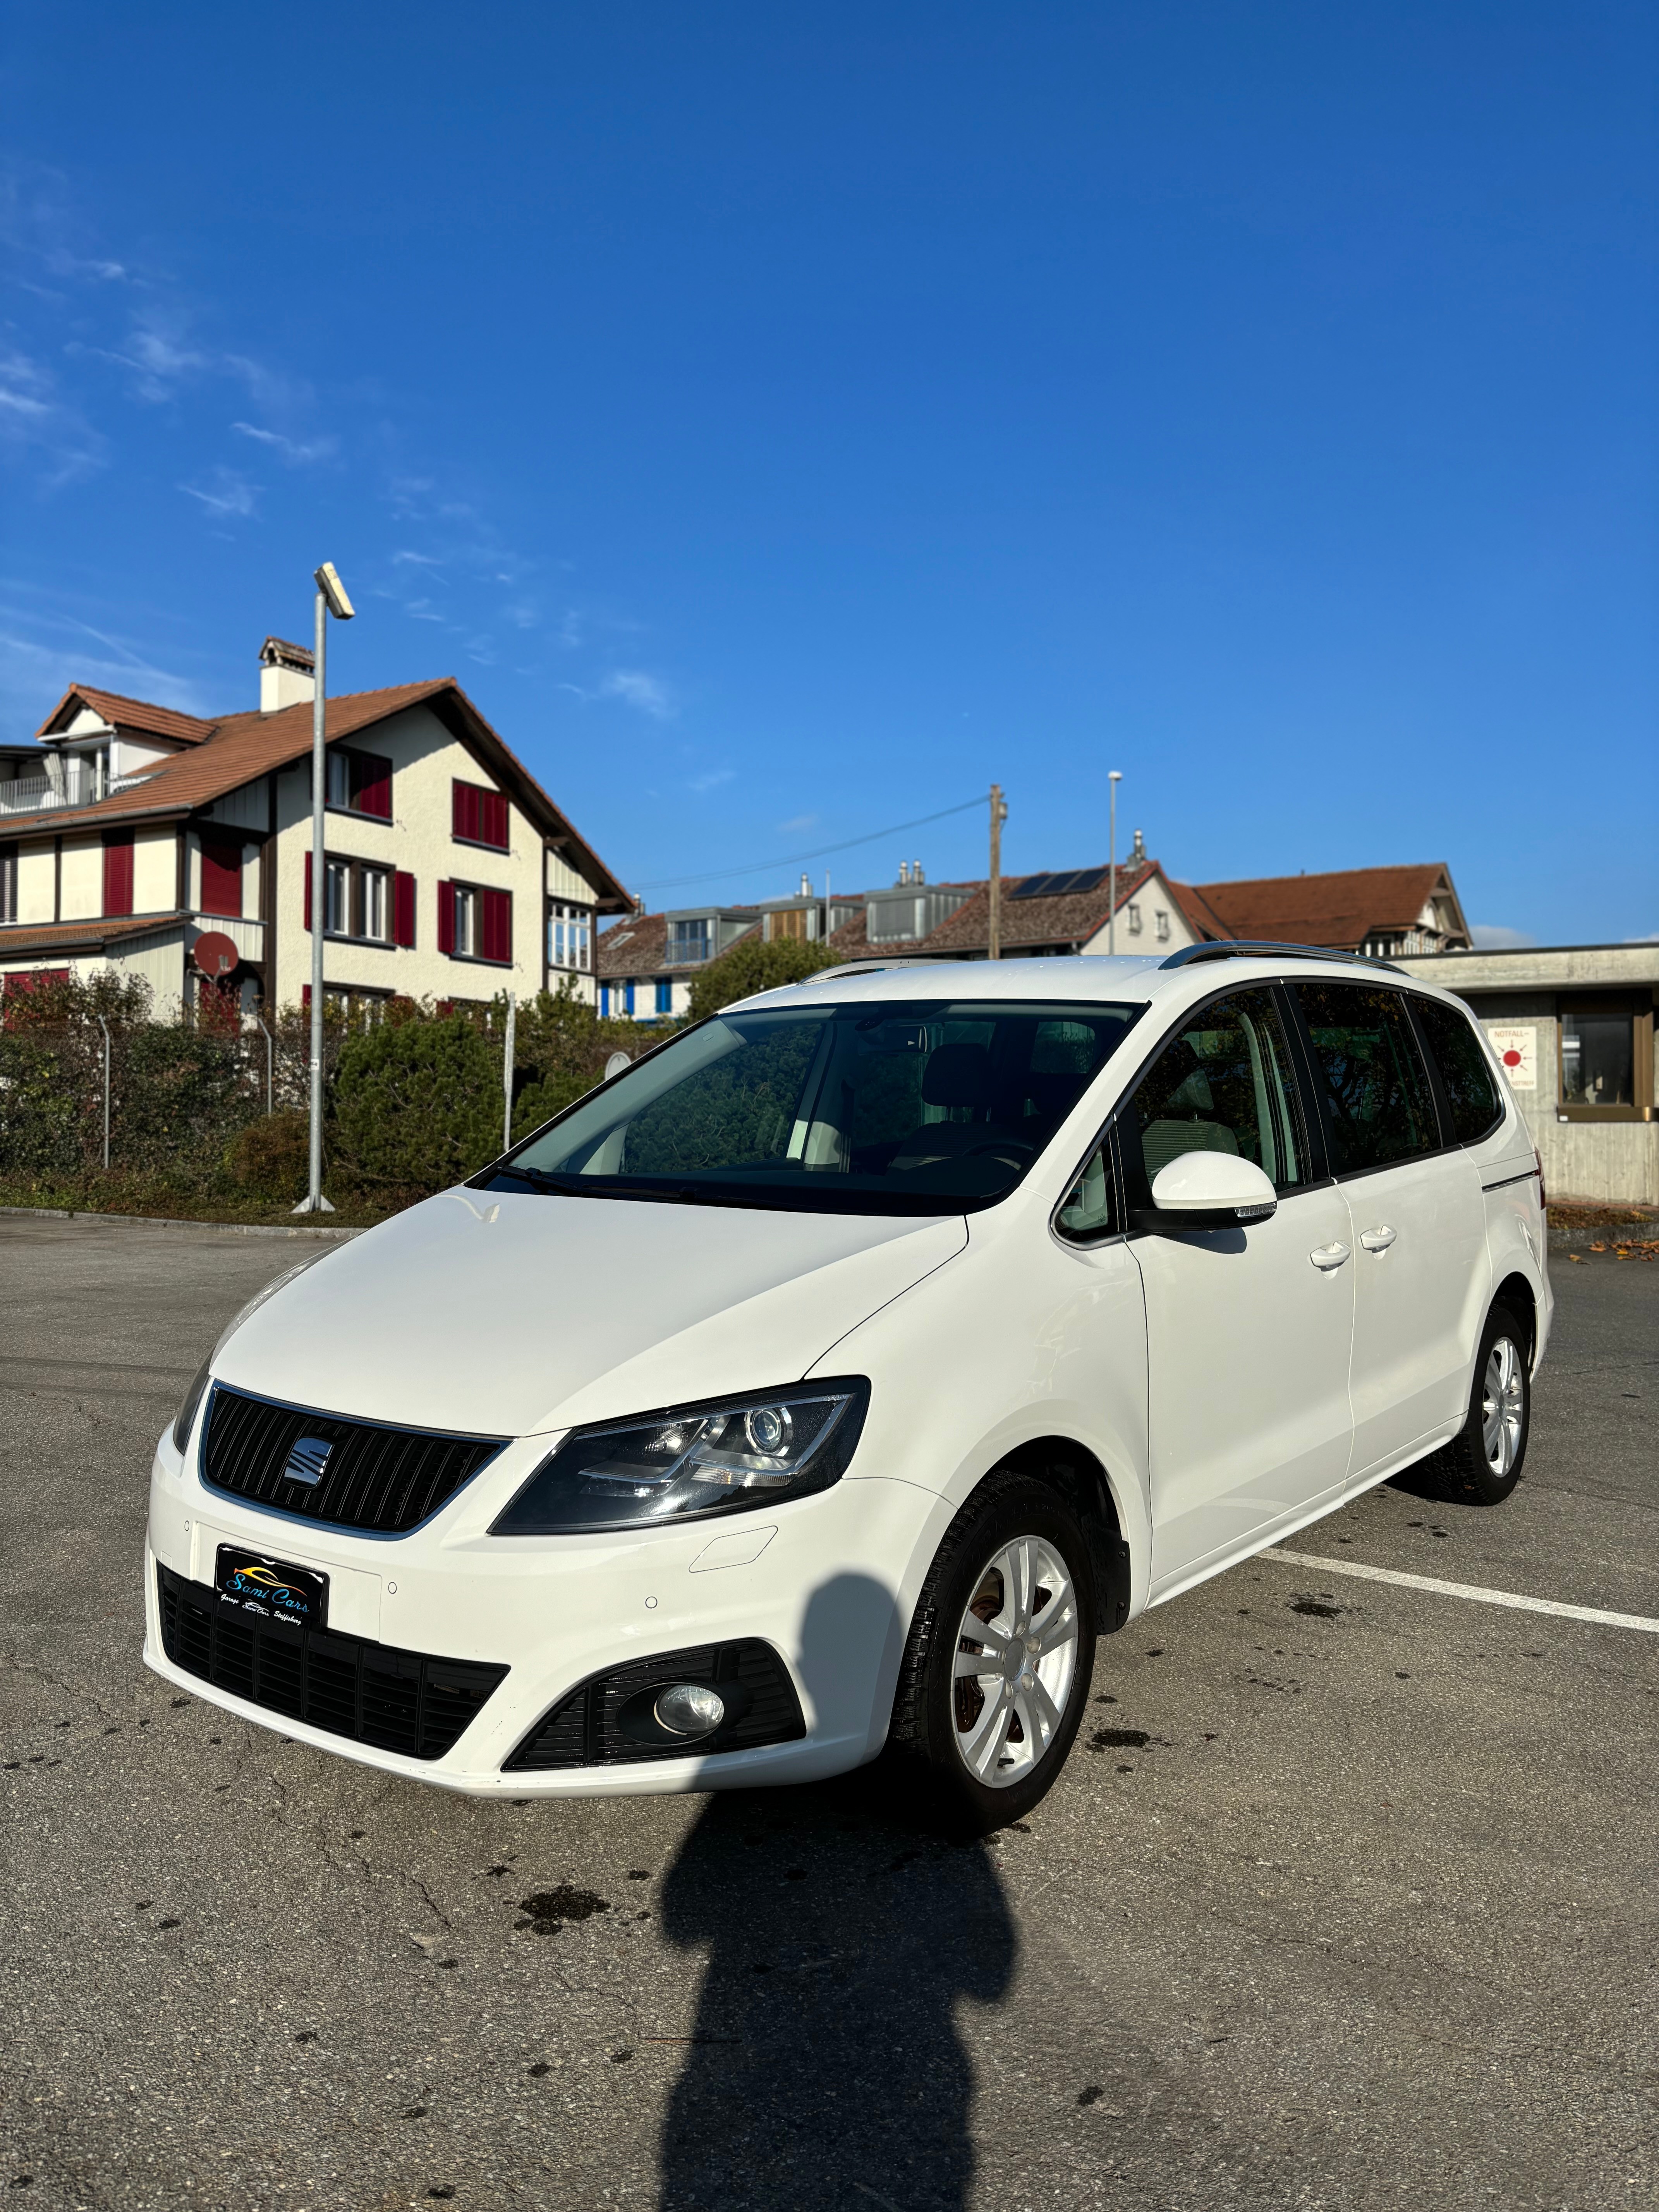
1209, 1190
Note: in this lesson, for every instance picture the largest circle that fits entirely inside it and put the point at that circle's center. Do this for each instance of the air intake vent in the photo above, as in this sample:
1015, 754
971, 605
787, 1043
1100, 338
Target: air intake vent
598, 1724
403, 1701
350, 1475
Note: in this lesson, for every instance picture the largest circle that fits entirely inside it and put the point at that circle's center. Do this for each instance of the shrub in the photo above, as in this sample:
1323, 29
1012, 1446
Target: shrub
417, 1104
754, 966
270, 1159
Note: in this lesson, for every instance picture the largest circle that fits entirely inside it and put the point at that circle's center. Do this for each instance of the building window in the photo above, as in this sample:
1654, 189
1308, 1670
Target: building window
478, 816
361, 1009
221, 876
688, 942
1162, 920
8, 882
1134, 920
570, 936
665, 997
1606, 1066
474, 922
118, 871
359, 783
364, 902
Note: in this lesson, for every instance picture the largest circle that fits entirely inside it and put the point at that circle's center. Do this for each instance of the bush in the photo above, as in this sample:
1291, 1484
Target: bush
417, 1104
270, 1159
754, 966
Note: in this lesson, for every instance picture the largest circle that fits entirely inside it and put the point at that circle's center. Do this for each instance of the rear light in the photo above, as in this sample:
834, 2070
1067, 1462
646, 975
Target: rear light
1538, 1161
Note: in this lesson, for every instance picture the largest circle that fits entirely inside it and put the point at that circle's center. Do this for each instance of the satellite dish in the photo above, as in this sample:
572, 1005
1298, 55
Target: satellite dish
215, 954
615, 1065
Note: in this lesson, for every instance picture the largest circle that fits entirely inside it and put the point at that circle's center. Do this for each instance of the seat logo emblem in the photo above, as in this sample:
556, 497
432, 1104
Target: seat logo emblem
309, 1462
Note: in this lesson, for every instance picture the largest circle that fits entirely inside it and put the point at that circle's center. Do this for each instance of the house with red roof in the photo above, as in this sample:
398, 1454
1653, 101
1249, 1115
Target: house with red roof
132, 833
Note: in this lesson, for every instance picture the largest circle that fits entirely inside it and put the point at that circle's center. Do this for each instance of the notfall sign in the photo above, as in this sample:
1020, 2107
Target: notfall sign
1517, 1048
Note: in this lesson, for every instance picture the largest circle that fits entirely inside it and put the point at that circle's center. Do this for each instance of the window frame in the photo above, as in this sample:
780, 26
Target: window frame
1449, 1140
1320, 1094
355, 869
572, 914
479, 891
349, 754
461, 783
1622, 1004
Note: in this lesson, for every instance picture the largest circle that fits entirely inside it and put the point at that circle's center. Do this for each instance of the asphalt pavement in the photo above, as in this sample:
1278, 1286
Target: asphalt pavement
1346, 1898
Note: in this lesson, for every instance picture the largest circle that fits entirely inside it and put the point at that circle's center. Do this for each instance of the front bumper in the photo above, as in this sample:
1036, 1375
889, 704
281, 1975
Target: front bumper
831, 1588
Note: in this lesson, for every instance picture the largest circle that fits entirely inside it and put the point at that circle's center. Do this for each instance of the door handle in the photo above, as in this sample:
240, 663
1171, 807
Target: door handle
1327, 1256
1378, 1240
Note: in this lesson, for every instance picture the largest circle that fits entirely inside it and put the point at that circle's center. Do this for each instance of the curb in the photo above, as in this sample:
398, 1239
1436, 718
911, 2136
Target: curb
164, 1221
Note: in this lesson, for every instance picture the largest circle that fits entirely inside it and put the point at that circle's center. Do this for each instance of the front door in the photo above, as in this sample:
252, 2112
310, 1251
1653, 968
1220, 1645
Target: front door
1248, 1329
1420, 1269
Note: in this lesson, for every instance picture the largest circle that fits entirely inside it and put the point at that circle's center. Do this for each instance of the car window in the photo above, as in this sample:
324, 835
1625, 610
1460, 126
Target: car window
1225, 1085
1465, 1075
1380, 1107
1090, 1210
890, 1106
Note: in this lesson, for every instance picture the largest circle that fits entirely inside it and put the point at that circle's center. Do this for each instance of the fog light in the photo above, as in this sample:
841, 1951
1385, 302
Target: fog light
689, 1708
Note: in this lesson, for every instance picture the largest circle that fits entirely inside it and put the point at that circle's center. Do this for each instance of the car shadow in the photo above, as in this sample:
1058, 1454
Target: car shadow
843, 1936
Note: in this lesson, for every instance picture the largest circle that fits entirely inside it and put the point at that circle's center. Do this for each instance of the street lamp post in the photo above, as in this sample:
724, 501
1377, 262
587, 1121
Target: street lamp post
331, 600
1114, 776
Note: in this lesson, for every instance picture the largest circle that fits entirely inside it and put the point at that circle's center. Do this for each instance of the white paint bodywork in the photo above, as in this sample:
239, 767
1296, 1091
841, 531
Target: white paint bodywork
522, 1315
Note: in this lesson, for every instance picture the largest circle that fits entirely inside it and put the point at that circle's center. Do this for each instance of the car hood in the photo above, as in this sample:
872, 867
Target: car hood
507, 1316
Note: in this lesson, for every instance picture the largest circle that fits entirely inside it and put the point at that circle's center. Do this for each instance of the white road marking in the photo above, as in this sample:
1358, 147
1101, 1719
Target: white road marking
1465, 1590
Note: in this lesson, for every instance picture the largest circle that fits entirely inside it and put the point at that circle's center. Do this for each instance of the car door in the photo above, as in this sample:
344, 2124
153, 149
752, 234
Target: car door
1421, 1273
1248, 1329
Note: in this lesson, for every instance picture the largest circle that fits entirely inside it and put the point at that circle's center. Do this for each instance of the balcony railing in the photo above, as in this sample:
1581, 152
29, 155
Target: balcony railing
79, 784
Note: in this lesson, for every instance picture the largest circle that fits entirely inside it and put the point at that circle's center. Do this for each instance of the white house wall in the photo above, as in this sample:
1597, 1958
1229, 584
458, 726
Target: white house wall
155, 870
37, 877
1153, 898
81, 895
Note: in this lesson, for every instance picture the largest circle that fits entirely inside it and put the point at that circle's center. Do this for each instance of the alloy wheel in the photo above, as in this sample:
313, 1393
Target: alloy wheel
1015, 1662
1502, 1406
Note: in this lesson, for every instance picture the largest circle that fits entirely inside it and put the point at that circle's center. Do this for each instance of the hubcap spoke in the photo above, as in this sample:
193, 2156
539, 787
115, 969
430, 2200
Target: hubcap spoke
1022, 1661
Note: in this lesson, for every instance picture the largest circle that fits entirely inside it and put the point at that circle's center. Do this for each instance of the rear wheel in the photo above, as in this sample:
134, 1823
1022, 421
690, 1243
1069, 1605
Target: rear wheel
997, 1667
1482, 1463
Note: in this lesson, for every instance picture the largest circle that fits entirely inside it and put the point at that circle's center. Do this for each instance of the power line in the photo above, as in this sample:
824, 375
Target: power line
819, 853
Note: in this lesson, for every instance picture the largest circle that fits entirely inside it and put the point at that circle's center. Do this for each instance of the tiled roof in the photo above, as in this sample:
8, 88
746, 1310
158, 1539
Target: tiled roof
22, 939
1202, 917
1338, 909
634, 947
245, 746
126, 714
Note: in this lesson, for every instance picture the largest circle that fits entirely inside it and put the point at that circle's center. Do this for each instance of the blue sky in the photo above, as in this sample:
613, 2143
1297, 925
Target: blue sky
784, 420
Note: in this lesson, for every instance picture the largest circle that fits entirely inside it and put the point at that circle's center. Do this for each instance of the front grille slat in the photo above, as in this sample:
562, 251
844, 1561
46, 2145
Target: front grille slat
380, 1478
410, 1702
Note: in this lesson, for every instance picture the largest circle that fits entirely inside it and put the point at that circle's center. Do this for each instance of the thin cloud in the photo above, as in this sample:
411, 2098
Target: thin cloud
634, 688
1498, 937
796, 822
229, 494
712, 780
294, 452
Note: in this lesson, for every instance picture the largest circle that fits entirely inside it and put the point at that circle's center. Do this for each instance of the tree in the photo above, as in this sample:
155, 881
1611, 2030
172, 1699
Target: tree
755, 966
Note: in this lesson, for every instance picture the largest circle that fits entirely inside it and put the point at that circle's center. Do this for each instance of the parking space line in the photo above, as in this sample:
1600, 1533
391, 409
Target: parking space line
1465, 1590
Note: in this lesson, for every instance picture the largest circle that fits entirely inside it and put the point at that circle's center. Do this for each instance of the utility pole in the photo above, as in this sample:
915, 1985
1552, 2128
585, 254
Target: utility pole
1114, 777
998, 815
330, 600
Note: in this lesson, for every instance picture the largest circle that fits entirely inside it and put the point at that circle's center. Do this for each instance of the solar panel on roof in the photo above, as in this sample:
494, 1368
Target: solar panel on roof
1060, 883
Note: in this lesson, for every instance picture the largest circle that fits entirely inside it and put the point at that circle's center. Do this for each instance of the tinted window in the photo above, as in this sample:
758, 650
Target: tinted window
896, 1107
1224, 1086
1598, 1057
1465, 1075
1376, 1083
1091, 1209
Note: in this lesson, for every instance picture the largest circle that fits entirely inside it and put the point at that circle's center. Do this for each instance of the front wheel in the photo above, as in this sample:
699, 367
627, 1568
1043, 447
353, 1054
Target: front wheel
999, 1655
1482, 1463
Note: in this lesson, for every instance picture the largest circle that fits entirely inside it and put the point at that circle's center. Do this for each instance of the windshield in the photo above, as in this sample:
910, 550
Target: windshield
933, 1107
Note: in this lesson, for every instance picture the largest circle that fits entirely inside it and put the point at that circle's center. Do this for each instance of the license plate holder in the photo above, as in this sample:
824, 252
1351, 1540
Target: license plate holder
250, 1582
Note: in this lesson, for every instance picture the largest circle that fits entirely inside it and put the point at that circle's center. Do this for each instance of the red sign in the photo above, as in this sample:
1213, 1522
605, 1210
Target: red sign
215, 953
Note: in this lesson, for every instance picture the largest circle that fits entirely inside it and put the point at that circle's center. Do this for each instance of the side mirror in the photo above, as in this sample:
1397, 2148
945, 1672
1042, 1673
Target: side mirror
1210, 1190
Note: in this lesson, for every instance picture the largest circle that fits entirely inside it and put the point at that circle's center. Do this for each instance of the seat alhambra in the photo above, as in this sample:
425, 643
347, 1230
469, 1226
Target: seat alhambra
829, 1380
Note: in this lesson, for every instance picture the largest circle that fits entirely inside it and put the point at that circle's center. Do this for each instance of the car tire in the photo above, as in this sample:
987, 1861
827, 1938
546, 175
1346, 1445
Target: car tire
1484, 1460
1013, 1586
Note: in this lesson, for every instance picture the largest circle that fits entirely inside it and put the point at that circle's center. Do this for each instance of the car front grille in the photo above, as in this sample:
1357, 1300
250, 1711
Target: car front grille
403, 1701
384, 1479
589, 1728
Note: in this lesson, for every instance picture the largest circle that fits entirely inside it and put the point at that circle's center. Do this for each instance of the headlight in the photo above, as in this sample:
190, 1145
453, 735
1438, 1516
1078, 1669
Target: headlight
681, 1465
187, 1420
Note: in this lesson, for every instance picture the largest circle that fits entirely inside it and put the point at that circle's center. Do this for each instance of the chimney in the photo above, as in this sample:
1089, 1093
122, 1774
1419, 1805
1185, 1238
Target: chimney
805, 884
288, 675
1140, 852
904, 872
916, 876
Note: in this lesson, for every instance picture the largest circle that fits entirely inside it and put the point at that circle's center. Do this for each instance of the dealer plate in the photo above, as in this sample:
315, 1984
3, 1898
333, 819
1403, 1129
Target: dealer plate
295, 1597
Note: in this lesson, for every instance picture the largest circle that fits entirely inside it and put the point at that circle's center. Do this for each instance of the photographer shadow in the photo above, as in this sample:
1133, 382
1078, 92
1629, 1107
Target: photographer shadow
842, 1937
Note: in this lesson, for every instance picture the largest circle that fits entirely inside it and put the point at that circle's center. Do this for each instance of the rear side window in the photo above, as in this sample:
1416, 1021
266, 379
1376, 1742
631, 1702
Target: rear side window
1466, 1079
1381, 1108
1224, 1084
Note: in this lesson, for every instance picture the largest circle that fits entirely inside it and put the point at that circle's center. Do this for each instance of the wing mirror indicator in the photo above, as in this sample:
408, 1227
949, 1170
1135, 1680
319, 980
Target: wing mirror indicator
1208, 1190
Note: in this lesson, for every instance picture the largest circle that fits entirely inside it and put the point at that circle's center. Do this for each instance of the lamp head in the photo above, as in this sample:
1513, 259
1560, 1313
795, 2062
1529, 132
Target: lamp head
329, 584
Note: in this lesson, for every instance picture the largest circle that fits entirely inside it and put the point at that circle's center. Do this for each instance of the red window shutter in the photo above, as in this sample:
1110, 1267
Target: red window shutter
222, 876
118, 871
464, 820
403, 909
371, 785
307, 924
497, 925
492, 825
305, 995
446, 914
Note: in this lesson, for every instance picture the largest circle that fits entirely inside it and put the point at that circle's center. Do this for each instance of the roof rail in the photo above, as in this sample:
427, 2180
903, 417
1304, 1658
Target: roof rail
1259, 948
873, 967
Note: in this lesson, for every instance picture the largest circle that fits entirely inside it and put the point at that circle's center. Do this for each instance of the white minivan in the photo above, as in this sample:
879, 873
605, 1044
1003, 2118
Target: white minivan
828, 1381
